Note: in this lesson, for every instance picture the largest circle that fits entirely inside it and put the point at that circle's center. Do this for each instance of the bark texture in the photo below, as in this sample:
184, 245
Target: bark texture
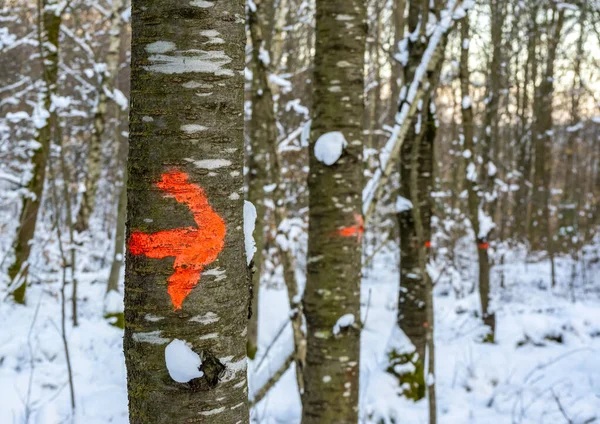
334, 260
187, 117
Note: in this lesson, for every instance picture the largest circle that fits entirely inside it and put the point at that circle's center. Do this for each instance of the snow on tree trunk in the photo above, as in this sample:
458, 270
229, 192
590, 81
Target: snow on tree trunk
335, 219
186, 275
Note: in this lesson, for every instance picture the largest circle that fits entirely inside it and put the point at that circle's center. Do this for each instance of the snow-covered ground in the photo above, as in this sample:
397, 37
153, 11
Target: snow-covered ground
544, 368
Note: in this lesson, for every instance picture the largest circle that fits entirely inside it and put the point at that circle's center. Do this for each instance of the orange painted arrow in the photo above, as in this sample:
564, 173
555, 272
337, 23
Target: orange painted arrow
193, 248
354, 230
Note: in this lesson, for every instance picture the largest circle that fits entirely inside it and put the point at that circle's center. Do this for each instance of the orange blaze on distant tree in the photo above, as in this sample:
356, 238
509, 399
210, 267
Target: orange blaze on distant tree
354, 230
193, 248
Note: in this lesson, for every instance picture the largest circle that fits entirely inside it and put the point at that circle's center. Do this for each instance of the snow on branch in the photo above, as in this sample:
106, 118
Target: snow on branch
410, 98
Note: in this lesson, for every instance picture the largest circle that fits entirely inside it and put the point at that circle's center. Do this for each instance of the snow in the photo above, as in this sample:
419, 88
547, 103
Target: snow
182, 362
514, 375
329, 147
113, 302
40, 116
183, 61
403, 204
471, 172
394, 142
486, 224
210, 163
193, 128
264, 57
160, 47
466, 102
344, 321
202, 3
249, 223
120, 99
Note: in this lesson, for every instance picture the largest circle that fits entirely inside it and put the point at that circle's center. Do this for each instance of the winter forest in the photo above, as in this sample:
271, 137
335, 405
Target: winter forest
299, 211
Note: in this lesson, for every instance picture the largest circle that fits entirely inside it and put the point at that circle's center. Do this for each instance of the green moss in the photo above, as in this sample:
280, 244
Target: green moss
488, 338
251, 349
409, 369
116, 319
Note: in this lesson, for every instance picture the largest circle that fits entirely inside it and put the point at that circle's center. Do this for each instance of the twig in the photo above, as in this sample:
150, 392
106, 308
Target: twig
560, 407
262, 392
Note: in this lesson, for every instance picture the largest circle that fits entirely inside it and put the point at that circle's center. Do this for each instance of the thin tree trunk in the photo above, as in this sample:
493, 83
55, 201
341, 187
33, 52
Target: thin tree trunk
543, 141
332, 295
49, 29
415, 316
263, 133
186, 279
94, 157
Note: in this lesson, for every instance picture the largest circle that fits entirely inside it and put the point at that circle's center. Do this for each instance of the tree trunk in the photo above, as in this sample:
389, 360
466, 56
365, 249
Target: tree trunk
416, 183
186, 279
543, 141
94, 158
263, 133
332, 295
49, 29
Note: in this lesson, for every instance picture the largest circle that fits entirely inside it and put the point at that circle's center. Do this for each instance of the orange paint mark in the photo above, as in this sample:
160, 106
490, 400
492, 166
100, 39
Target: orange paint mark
193, 248
483, 245
428, 244
355, 230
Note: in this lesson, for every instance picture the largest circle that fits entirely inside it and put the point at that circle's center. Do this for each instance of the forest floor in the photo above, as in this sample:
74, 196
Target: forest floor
543, 368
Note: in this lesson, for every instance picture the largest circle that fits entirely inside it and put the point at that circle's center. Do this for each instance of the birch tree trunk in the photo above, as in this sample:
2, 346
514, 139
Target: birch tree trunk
186, 279
48, 34
332, 295
94, 158
263, 133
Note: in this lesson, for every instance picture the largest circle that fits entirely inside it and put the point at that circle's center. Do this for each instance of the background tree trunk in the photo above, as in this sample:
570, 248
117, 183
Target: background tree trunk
48, 30
334, 261
263, 133
88, 199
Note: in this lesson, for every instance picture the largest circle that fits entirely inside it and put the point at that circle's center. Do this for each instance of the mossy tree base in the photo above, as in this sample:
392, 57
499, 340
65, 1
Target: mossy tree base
409, 369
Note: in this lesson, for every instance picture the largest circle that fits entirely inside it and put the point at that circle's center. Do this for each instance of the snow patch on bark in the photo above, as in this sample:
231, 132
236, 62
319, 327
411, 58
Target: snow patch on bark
160, 47
182, 61
403, 204
193, 128
249, 223
182, 362
210, 163
344, 321
152, 337
233, 368
202, 3
207, 318
329, 147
